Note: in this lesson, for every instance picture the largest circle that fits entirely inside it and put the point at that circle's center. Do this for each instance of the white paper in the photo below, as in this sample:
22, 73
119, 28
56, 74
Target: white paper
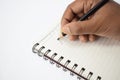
100, 57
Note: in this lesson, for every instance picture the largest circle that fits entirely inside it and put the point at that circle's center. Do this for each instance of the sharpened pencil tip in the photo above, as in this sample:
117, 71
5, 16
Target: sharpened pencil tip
58, 38
62, 35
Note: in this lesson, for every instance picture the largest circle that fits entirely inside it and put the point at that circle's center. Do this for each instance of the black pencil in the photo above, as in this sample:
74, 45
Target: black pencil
89, 13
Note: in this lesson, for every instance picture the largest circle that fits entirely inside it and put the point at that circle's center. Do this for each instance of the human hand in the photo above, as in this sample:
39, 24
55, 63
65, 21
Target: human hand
105, 22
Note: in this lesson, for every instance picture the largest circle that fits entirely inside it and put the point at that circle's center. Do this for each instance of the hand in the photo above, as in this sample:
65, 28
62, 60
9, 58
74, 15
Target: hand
105, 22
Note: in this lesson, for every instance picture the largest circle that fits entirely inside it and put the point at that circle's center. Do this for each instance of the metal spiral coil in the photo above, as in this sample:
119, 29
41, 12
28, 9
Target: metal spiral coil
39, 51
98, 78
59, 60
34, 50
48, 51
52, 62
73, 68
58, 63
89, 75
66, 64
81, 72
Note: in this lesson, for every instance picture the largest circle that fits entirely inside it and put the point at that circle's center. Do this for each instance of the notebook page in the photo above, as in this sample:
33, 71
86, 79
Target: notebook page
100, 57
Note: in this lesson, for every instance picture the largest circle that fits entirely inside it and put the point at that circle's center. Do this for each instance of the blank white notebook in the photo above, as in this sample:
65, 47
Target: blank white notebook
99, 60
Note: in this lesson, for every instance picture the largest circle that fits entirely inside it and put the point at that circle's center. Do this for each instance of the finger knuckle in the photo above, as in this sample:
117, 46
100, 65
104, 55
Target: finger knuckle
69, 6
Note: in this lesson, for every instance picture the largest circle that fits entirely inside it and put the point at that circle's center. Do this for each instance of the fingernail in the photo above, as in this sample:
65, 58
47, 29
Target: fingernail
72, 38
92, 38
83, 39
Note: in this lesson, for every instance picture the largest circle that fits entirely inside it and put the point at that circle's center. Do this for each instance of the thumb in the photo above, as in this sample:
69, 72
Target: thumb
79, 27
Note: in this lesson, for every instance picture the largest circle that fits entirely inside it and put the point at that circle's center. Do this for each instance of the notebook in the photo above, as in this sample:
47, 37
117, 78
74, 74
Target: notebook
99, 60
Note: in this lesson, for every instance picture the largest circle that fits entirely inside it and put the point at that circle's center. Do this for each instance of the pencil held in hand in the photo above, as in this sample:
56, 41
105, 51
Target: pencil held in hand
89, 13
61, 35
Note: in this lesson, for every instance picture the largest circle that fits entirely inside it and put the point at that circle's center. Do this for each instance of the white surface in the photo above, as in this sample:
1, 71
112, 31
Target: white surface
22, 23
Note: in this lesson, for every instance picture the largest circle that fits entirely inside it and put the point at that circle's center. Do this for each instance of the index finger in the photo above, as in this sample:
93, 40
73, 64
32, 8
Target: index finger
71, 12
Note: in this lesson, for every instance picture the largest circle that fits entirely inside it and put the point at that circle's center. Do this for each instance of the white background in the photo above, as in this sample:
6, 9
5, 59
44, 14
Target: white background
23, 23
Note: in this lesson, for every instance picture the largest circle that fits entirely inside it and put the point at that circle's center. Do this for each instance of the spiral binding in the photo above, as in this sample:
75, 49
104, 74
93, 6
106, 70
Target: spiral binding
58, 63
73, 68
59, 60
52, 62
66, 64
